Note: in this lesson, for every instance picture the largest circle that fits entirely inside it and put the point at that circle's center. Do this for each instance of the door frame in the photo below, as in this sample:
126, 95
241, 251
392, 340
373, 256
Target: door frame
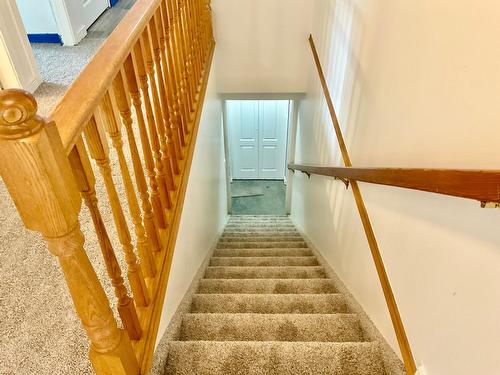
294, 99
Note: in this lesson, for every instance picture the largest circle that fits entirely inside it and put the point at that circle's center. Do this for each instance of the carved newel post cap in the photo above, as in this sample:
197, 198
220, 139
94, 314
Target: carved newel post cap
18, 114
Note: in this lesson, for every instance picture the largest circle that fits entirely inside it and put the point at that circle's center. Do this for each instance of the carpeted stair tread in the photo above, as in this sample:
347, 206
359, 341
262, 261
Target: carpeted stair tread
264, 261
269, 303
260, 245
270, 252
273, 358
266, 307
296, 238
256, 233
271, 327
284, 272
266, 286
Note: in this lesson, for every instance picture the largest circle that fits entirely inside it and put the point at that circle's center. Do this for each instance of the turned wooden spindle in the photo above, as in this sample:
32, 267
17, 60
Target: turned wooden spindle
98, 149
173, 142
144, 246
142, 187
36, 171
166, 175
182, 96
85, 179
179, 108
186, 32
197, 46
186, 70
150, 160
176, 127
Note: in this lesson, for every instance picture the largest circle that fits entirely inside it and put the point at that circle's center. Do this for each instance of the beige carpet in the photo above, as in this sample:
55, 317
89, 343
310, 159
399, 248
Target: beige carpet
266, 306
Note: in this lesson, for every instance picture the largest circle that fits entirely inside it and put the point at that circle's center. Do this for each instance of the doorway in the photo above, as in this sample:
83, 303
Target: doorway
258, 133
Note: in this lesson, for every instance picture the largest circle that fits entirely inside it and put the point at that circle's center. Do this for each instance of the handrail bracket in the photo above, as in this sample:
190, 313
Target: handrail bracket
485, 204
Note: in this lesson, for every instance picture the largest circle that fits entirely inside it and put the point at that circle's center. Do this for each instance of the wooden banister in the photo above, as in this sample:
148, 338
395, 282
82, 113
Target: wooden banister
480, 185
80, 100
397, 322
38, 175
145, 85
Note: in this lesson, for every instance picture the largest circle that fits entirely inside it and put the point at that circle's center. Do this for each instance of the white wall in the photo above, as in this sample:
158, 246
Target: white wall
261, 45
415, 83
205, 209
37, 16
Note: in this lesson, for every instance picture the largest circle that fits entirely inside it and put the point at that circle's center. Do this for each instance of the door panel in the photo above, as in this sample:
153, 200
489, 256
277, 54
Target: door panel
273, 126
243, 117
92, 9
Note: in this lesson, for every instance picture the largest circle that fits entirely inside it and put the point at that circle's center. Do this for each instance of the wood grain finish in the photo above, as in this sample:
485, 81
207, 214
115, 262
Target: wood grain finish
397, 322
149, 78
481, 185
140, 179
98, 149
165, 170
152, 155
36, 172
85, 179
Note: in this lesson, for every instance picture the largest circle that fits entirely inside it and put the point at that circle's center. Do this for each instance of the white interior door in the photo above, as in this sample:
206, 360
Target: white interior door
273, 125
243, 126
92, 9
257, 138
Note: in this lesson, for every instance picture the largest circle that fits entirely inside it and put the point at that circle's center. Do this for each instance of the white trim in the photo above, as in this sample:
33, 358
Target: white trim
17, 63
292, 138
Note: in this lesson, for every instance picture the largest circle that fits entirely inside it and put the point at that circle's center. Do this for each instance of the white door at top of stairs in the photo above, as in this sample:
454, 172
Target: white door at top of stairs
257, 138
91, 10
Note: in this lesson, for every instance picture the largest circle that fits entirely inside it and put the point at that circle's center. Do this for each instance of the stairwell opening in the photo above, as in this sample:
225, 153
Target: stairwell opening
259, 139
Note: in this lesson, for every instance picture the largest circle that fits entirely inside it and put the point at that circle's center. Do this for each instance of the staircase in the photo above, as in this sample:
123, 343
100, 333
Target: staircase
266, 306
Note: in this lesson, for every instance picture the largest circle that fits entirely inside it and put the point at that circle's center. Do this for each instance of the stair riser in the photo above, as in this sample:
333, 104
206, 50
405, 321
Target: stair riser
254, 234
264, 261
271, 358
271, 252
269, 304
260, 245
270, 327
262, 239
266, 286
264, 273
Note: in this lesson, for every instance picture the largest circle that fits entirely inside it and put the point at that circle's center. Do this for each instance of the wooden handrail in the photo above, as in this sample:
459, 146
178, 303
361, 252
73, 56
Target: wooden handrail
480, 185
147, 83
397, 322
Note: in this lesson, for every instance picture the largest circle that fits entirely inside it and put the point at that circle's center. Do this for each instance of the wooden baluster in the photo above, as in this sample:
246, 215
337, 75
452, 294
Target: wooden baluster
185, 58
194, 40
151, 228
188, 53
198, 45
173, 140
98, 149
36, 171
155, 159
182, 94
85, 179
175, 91
177, 128
166, 177
143, 243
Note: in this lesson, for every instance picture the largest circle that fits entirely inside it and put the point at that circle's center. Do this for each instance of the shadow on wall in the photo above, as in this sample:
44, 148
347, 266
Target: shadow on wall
338, 44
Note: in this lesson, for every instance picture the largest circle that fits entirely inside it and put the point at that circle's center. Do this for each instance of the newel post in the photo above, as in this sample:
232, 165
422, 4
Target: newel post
37, 173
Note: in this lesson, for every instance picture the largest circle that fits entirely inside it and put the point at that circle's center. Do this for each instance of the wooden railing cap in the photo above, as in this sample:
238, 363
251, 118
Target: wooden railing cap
18, 114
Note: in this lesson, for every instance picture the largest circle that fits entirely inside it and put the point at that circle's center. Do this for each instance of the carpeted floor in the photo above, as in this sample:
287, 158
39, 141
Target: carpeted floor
60, 65
258, 197
266, 306
40, 331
